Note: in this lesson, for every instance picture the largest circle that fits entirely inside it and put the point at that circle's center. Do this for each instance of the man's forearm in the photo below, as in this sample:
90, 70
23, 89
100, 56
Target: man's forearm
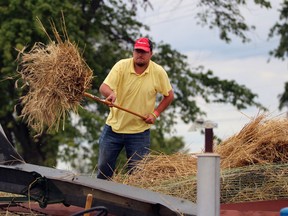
166, 101
105, 90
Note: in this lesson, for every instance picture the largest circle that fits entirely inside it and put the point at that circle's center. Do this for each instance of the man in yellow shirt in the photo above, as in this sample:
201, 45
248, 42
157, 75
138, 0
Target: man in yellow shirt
132, 83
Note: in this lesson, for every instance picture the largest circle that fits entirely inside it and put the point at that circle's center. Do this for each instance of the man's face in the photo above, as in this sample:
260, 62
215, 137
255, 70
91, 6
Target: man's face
141, 57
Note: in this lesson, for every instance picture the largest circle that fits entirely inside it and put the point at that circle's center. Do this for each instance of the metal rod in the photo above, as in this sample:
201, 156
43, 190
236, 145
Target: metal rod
209, 140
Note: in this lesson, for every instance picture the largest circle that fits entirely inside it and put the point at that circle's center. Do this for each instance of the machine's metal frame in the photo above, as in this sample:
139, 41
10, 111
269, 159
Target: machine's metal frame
48, 185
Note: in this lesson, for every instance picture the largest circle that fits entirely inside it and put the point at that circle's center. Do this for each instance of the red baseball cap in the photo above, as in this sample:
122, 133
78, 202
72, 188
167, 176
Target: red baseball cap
143, 44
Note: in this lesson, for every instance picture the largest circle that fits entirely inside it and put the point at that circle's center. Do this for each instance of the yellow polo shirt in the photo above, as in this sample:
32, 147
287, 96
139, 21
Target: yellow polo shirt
136, 93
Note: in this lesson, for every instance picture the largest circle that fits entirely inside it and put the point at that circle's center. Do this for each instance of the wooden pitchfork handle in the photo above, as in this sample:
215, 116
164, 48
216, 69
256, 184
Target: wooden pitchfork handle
114, 105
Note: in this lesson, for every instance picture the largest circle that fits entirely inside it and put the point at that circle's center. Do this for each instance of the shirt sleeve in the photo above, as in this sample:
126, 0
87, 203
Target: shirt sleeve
164, 82
112, 78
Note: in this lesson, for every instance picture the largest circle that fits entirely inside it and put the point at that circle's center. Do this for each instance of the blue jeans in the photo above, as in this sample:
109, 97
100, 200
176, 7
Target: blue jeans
110, 145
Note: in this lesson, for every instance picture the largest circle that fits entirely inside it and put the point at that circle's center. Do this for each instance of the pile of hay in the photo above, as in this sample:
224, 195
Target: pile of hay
262, 141
56, 76
253, 166
168, 174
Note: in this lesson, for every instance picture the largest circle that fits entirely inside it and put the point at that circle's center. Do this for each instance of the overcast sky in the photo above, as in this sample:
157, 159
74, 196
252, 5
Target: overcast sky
173, 22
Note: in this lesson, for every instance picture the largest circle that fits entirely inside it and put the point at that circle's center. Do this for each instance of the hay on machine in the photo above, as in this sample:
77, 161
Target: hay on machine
56, 77
253, 166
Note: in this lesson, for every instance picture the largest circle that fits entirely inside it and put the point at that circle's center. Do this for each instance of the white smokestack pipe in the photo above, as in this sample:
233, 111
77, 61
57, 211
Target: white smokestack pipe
208, 184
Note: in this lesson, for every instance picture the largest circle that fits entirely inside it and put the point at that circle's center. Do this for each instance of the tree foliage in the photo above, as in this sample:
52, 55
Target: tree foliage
227, 17
104, 32
280, 29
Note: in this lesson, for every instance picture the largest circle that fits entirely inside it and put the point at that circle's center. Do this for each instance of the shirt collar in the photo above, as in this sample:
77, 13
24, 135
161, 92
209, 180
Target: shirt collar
145, 72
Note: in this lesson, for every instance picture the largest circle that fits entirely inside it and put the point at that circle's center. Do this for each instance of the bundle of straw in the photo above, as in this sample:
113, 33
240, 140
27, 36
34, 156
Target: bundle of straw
57, 76
262, 141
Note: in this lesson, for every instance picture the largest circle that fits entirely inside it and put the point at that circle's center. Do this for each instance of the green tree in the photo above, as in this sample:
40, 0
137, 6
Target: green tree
281, 29
227, 17
105, 32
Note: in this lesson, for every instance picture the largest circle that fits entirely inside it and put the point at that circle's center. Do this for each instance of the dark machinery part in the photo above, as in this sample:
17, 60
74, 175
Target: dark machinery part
102, 211
48, 185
